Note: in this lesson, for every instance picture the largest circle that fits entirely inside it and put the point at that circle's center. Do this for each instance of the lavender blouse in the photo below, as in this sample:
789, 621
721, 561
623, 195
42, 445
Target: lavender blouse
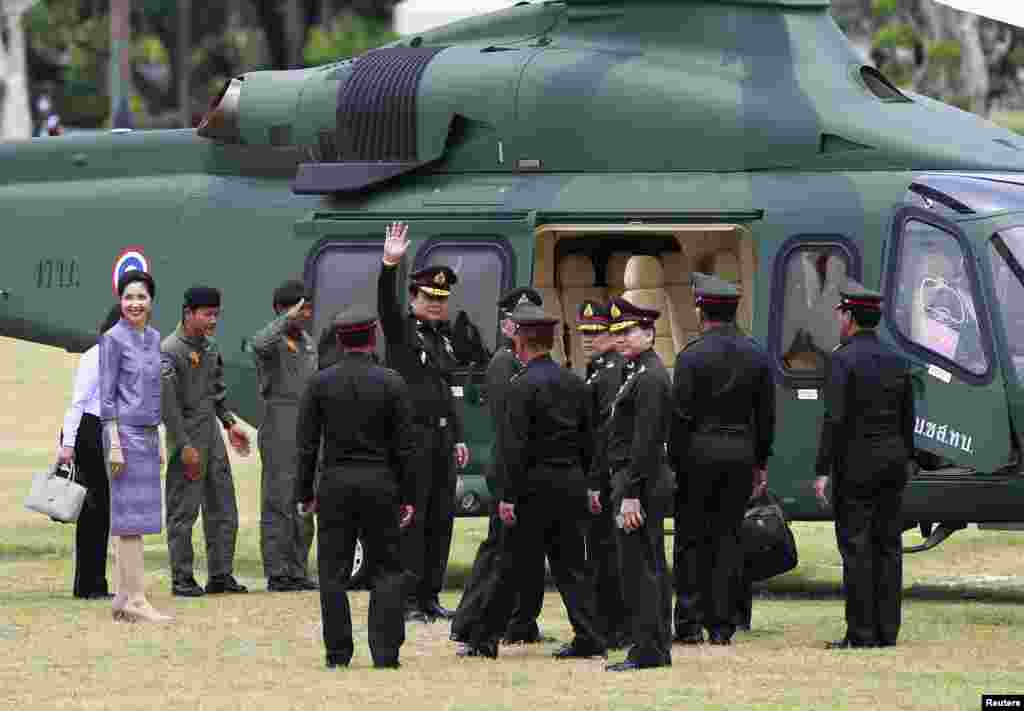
130, 376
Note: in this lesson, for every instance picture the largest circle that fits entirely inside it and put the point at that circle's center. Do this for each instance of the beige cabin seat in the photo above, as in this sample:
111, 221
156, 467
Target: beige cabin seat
576, 279
645, 287
681, 310
615, 273
553, 308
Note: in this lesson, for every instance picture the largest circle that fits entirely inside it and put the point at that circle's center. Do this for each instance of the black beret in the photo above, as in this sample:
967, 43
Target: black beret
202, 297
436, 280
593, 316
134, 275
290, 293
510, 299
626, 315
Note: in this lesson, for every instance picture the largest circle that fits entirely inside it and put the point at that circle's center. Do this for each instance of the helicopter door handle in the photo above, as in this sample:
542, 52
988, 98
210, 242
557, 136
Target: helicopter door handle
4, 293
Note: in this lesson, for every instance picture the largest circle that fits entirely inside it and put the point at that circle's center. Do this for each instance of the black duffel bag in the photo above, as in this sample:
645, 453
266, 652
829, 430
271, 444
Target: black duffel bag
769, 548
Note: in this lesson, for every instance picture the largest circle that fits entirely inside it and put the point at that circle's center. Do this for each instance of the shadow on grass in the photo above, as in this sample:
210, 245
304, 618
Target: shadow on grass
791, 586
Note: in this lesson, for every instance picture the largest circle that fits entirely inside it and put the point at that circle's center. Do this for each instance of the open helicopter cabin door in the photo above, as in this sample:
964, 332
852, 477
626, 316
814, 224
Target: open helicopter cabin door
937, 314
488, 254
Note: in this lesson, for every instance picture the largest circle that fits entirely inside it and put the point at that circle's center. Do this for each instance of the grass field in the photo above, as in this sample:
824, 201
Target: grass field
1013, 120
962, 635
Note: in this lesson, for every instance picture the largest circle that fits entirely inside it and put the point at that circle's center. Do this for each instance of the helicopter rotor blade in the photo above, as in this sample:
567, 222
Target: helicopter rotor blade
1012, 13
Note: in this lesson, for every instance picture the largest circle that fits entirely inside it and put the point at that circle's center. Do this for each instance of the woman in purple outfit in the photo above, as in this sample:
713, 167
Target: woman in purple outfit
130, 411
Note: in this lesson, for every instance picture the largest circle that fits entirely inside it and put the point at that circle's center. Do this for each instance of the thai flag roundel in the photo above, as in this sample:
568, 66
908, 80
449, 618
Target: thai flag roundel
129, 259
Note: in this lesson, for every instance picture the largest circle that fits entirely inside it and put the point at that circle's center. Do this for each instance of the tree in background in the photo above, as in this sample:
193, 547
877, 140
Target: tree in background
15, 118
69, 48
970, 61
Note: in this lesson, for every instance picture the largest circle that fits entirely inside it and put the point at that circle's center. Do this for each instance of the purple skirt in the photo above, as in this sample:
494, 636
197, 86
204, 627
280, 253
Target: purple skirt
135, 505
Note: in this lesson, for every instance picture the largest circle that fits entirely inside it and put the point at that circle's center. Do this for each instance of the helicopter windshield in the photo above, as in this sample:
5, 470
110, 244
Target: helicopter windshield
1007, 260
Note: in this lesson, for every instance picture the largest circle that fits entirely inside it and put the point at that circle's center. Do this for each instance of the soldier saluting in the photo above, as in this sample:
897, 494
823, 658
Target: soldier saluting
285, 358
867, 449
360, 412
723, 429
641, 486
419, 347
604, 378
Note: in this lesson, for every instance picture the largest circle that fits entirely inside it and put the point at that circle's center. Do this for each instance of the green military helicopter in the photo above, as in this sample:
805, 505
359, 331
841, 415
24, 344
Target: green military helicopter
590, 148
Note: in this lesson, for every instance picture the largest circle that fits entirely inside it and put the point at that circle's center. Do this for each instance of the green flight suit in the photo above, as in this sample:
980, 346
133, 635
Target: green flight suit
193, 400
283, 369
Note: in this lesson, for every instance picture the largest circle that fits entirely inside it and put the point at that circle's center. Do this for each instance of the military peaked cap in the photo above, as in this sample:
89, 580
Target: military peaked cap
436, 280
856, 296
709, 289
355, 319
519, 295
529, 314
625, 315
592, 316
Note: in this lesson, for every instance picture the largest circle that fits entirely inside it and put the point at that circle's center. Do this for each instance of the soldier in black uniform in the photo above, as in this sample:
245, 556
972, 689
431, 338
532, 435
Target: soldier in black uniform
722, 434
642, 485
546, 445
361, 413
604, 378
867, 449
486, 568
419, 347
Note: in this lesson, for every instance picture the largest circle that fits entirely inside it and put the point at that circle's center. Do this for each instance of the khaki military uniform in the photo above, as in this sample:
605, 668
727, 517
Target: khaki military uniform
193, 400
284, 365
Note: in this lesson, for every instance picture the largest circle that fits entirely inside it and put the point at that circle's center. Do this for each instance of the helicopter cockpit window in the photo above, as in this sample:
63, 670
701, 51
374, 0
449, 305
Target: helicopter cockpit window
814, 275
1006, 257
484, 274
932, 304
344, 273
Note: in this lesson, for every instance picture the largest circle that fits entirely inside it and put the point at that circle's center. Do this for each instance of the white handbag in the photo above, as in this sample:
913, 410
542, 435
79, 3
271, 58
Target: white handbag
59, 497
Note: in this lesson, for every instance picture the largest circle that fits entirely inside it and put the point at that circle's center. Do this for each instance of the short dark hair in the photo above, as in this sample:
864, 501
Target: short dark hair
111, 319
866, 318
136, 275
290, 293
537, 338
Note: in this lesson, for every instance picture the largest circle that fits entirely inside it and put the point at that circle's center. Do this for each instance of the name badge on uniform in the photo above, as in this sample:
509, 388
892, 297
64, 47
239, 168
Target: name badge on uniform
457, 391
807, 394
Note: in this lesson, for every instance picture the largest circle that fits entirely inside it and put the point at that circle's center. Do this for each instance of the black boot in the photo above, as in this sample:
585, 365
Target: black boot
224, 584
187, 587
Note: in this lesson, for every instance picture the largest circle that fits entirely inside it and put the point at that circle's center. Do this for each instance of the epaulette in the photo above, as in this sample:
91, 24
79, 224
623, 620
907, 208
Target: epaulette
516, 376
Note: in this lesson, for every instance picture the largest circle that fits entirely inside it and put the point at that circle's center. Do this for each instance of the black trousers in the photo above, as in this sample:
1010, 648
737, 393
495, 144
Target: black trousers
483, 582
646, 587
92, 531
743, 596
869, 529
351, 500
553, 522
427, 542
603, 569
710, 504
